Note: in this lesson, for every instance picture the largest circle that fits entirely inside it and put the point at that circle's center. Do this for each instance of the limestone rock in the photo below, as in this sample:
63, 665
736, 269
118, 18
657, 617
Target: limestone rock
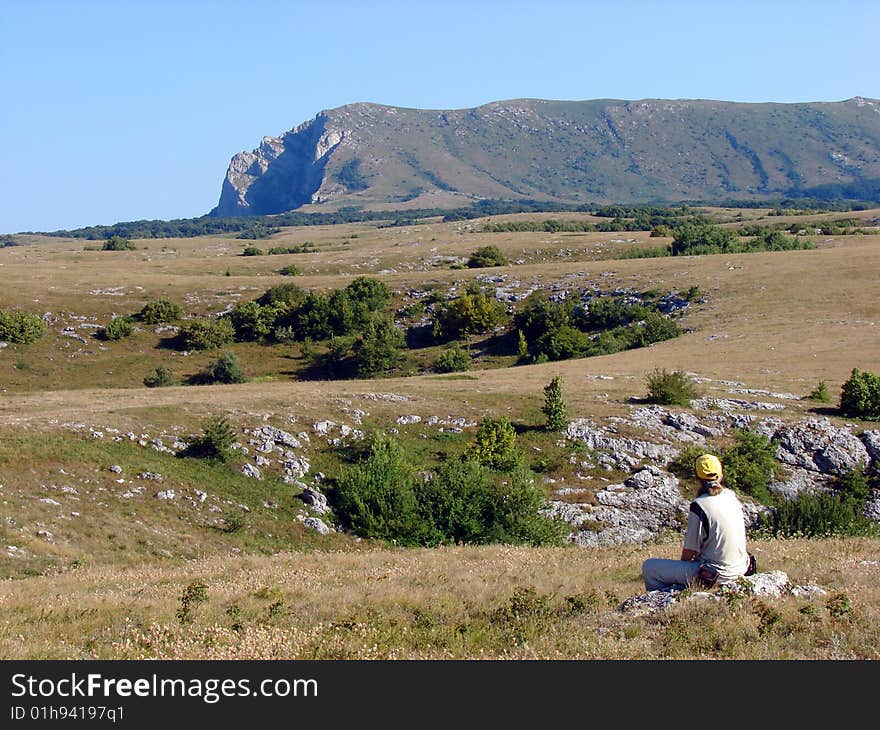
817, 445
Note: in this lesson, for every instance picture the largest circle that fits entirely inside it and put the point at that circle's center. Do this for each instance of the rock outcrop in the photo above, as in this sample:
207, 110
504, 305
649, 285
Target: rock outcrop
772, 584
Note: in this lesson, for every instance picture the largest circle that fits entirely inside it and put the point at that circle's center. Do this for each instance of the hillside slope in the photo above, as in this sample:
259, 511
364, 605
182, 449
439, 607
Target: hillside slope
602, 151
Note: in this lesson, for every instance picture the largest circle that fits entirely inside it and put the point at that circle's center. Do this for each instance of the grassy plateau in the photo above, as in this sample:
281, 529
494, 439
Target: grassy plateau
96, 563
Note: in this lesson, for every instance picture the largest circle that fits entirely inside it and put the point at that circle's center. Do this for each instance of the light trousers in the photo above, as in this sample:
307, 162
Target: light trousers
661, 574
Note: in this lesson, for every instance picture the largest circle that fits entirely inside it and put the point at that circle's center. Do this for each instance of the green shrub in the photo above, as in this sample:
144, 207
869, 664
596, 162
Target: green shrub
820, 393
159, 311
494, 444
289, 295
225, 369
117, 328
818, 514
252, 251
471, 313
750, 465
161, 379
670, 388
486, 256
562, 343
206, 334
694, 238
215, 442
376, 498
464, 503
554, 405
654, 327
118, 243
456, 502
290, 270
860, 396
251, 321
350, 309
377, 349
518, 505
311, 318
195, 594
21, 327
461, 502
453, 360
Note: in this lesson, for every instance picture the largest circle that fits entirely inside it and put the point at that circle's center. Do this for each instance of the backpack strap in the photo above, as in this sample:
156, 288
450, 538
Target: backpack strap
699, 512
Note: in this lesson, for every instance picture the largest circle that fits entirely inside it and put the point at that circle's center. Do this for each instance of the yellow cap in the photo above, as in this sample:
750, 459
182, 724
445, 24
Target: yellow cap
708, 468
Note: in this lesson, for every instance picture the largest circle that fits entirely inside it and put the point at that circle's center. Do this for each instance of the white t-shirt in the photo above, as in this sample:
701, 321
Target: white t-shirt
716, 530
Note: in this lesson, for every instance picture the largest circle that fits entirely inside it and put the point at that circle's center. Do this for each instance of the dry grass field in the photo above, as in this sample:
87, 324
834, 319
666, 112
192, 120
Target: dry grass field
98, 576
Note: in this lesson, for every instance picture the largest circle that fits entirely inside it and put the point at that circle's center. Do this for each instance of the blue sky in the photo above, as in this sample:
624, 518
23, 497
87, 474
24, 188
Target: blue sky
116, 110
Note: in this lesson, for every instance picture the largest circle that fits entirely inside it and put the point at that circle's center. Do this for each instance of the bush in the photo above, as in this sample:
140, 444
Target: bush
225, 369
159, 311
860, 396
464, 503
161, 379
289, 295
376, 497
206, 334
818, 514
750, 465
195, 594
820, 393
252, 251
495, 444
453, 360
117, 328
377, 349
693, 239
486, 256
118, 243
215, 442
471, 313
655, 327
290, 270
670, 389
517, 513
21, 327
554, 406
251, 321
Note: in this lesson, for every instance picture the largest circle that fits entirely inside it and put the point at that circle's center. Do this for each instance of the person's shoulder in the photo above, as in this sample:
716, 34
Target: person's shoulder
731, 494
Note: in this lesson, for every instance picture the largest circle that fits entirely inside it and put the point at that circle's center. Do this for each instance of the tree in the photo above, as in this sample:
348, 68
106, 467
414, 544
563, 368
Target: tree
377, 350
494, 444
694, 238
158, 311
117, 328
454, 360
860, 396
554, 405
225, 369
206, 334
161, 379
251, 321
118, 243
21, 327
486, 256
215, 443
466, 315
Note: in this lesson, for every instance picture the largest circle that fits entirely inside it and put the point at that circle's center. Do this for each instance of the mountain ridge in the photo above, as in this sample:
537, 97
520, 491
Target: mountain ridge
601, 150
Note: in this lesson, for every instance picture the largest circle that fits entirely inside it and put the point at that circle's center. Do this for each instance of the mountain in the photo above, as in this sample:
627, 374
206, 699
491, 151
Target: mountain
597, 151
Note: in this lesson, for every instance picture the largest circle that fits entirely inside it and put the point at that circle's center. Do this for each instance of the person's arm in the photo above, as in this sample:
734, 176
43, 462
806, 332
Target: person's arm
688, 554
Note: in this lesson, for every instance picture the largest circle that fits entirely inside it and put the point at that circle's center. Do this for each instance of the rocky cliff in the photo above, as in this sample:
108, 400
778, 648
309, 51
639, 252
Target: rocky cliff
601, 151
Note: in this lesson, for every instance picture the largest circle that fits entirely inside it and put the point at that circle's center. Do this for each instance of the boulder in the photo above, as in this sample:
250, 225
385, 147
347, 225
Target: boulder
817, 445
